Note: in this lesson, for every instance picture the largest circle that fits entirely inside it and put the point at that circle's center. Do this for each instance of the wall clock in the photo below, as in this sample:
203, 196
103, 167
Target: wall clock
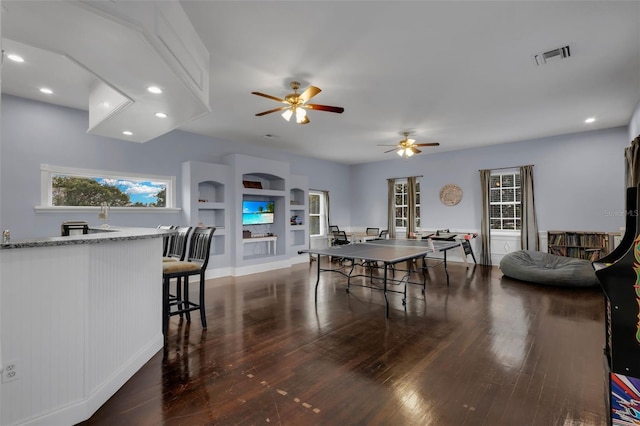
450, 195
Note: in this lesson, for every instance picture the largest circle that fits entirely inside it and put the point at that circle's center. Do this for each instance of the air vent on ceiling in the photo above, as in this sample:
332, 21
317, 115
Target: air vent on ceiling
552, 55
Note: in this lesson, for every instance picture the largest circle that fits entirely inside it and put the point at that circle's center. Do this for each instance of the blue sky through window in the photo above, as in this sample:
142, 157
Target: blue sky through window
144, 192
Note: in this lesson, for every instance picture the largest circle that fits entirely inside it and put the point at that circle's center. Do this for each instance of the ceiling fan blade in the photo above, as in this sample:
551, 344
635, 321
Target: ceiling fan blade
391, 150
427, 144
264, 95
415, 150
305, 120
387, 145
271, 110
308, 94
328, 108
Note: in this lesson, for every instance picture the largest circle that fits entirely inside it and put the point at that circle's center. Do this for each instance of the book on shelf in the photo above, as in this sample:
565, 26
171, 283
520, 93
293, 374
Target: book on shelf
578, 244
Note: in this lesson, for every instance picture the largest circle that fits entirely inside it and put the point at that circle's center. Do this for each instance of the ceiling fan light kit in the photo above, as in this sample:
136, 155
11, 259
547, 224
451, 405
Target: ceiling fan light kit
405, 152
407, 147
296, 104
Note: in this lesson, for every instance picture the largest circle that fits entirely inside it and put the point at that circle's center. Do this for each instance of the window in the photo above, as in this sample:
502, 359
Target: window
402, 201
64, 187
505, 201
316, 214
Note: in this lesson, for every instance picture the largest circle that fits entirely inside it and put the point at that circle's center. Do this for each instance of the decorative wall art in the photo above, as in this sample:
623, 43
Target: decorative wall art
450, 195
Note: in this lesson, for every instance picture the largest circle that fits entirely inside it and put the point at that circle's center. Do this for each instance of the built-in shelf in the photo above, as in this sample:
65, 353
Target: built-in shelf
298, 208
213, 196
264, 192
210, 206
578, 244
205, 203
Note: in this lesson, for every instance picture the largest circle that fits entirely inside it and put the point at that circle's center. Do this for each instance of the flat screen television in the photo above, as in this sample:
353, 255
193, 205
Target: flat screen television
257, 212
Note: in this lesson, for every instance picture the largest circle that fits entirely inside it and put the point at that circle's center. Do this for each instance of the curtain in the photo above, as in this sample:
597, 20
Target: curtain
411, 206
391, 207
485, 233
529, 226
327, 209
632, 163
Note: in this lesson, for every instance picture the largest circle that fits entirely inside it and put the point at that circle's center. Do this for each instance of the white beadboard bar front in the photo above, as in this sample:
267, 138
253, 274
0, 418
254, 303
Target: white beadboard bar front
79, 316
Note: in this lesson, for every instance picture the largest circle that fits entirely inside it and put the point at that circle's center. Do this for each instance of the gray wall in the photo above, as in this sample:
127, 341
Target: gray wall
34, 133
578, 178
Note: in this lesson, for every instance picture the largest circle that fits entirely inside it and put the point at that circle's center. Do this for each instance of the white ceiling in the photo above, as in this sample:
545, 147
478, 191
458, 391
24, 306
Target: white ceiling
457, 73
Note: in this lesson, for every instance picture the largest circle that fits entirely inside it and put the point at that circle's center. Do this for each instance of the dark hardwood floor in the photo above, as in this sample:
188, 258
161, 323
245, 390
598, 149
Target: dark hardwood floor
487, 350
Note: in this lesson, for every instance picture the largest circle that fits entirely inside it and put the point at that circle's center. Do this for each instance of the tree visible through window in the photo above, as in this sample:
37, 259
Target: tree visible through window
505, 201
91, 188
402, 204
316, 213
83, 191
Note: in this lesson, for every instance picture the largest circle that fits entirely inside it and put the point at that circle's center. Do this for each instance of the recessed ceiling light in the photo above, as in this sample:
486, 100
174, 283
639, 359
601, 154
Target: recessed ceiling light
590, 120
154, 89
161, 115
46, 91
127, 133
15, 58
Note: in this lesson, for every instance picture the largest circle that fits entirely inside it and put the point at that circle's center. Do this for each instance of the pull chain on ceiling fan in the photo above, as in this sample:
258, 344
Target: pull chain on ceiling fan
296, 104
407, 147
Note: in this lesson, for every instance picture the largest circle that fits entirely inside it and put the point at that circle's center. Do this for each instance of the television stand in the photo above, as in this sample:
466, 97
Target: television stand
270, 240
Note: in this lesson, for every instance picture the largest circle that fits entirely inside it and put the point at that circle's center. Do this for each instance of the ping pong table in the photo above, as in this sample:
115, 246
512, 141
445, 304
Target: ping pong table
388, 251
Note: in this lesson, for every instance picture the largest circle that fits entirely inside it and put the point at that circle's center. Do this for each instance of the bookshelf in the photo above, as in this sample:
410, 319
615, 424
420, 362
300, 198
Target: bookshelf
578, 244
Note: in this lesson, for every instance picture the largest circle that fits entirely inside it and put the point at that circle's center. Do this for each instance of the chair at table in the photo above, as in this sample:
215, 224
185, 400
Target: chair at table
384, 234
340, 238
372, 231
332, 231
195, 264
177, 246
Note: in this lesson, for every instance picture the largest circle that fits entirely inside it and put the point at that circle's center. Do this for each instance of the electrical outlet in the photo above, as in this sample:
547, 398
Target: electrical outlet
10, 372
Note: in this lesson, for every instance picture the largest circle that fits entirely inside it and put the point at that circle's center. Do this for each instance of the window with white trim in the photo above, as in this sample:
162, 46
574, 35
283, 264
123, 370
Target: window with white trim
72, 187
505, 198
402, 204
317, 218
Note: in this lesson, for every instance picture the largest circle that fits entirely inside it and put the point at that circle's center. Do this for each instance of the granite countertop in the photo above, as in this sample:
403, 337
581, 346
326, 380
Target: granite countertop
95, 236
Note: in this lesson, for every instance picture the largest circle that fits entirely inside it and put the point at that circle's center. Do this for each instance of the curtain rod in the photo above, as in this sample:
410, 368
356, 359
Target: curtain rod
405, 177
504, 168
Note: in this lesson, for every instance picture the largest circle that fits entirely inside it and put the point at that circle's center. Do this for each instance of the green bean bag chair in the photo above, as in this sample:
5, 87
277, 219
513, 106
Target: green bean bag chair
549, 269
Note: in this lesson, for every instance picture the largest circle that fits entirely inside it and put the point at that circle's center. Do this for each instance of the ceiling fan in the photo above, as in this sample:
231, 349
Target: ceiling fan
296, 103
407, 147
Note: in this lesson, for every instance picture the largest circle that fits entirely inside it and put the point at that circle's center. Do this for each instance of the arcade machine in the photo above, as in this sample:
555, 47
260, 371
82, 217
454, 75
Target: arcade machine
619, 276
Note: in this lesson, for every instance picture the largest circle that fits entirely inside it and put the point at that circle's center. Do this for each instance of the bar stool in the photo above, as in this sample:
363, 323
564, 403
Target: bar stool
166, 240
177, 246
176, 250
195, 264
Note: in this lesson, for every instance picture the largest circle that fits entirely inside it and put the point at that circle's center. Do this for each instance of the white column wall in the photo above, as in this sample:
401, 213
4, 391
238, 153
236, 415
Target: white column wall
79, 320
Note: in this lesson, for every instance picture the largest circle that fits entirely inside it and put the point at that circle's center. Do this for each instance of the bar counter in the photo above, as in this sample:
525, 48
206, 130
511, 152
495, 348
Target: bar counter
79, 315
95, 236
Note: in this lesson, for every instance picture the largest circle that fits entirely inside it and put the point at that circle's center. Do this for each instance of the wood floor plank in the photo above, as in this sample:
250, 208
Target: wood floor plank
485, 350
